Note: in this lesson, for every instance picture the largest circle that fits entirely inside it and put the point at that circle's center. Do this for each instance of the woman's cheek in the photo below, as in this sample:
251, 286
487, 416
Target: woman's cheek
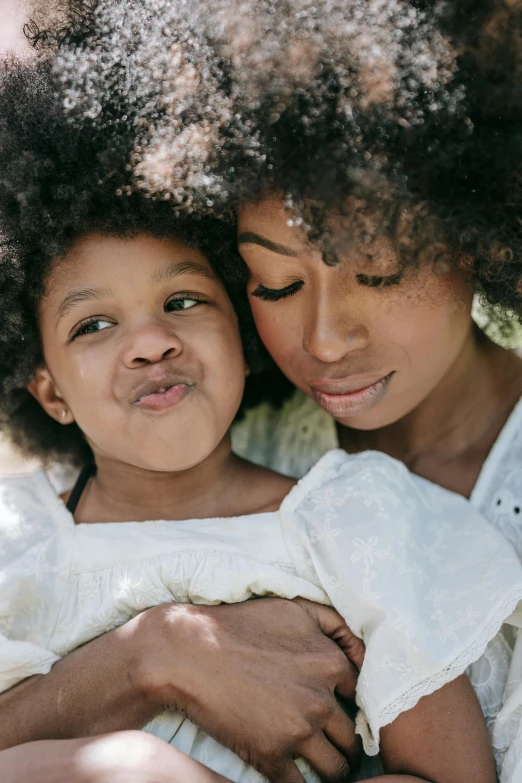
276, 330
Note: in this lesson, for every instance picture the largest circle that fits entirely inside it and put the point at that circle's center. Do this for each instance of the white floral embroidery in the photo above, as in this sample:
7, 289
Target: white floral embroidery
358, 532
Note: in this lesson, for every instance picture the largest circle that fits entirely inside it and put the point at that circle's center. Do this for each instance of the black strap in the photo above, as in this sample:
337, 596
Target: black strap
86, 473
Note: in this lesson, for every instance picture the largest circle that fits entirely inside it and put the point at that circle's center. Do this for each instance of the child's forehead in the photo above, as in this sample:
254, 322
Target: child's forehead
103, 256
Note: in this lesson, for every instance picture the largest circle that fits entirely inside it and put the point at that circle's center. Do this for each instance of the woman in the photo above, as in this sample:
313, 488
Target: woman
368, 134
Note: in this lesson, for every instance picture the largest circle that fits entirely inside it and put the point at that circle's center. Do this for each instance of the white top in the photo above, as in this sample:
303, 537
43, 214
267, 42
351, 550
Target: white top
418, 574
292, 439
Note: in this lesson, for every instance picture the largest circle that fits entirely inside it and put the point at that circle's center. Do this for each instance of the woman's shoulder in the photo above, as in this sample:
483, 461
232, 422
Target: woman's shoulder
373, 497
289, 440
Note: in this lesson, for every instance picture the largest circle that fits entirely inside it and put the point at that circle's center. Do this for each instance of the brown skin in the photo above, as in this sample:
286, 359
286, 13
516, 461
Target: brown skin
137, 336
125, 757
451, 390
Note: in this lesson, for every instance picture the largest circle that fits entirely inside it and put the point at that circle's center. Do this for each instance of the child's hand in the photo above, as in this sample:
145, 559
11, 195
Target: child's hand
260, 677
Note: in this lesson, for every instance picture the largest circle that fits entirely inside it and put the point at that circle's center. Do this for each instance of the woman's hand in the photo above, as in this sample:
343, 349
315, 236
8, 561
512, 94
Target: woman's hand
123, 757
261, 678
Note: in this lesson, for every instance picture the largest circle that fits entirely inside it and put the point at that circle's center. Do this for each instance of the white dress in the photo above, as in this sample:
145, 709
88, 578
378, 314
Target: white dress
418, 574
292, 439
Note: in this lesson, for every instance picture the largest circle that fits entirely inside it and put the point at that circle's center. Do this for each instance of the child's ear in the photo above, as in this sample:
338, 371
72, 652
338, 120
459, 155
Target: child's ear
45, 391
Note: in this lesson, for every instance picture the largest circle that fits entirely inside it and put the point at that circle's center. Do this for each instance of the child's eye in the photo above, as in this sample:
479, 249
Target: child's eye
274, 294
182, 303
92, 326
379, 282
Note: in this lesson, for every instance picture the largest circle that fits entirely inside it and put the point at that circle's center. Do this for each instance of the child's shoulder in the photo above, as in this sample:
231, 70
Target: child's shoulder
377, 488
348, 473
260, 490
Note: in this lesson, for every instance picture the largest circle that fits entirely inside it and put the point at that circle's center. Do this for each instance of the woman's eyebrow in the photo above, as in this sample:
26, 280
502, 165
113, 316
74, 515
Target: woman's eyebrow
249, 237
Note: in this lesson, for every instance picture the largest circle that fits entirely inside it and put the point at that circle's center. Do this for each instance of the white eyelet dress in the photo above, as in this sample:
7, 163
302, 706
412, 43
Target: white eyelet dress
418, 574
293, 439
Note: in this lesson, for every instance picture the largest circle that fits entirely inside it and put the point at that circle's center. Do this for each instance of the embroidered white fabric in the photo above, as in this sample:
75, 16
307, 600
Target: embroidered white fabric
416, 571
292, 439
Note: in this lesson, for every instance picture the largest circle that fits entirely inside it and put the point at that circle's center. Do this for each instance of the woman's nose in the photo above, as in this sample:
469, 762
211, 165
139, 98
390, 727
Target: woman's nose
150, 344
330, 335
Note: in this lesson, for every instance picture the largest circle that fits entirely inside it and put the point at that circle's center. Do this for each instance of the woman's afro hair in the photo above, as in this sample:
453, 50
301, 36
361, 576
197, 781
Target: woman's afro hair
408, 109
58, 180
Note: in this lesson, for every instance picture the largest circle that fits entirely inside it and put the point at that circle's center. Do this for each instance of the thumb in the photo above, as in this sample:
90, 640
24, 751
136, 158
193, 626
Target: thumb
333, 625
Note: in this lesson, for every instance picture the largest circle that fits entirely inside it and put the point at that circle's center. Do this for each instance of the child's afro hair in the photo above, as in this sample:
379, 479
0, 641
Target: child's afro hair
58, 180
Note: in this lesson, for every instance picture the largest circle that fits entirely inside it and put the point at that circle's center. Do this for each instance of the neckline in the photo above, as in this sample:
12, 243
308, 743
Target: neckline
497, 451
69, 520
288, 503
490, 464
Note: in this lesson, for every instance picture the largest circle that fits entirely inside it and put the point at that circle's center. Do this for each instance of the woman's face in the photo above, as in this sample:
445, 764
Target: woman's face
367, 343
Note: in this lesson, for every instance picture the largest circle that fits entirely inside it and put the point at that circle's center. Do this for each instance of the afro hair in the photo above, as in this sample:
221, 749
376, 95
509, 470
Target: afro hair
54, 187
413, 107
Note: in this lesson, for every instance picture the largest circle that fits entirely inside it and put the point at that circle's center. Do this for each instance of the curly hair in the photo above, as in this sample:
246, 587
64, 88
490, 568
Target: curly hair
409, 109
410, 106
54, 187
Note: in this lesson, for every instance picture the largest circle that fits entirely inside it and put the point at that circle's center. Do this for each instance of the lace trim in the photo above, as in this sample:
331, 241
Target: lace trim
368, 727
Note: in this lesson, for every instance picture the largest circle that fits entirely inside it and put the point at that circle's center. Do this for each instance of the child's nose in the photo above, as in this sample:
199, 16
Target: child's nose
149, 345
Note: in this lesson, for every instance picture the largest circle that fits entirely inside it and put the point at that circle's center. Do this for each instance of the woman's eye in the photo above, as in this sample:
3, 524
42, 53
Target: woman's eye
182, 303
274, 294
379, 282
90, 327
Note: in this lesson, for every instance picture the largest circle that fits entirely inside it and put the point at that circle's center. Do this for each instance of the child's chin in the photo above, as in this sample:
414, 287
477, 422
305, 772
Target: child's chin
172, 463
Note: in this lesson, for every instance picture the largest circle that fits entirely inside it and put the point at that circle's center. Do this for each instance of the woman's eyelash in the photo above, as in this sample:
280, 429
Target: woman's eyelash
275, 294
379, 282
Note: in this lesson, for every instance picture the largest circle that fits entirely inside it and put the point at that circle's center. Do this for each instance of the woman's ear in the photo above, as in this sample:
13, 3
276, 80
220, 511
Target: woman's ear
45, 391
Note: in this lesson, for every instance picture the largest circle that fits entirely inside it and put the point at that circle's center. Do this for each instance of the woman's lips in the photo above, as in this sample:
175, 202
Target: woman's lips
343, 404
161, 400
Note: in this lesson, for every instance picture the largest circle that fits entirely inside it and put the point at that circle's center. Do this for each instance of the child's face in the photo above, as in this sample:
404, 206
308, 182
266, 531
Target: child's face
142, 350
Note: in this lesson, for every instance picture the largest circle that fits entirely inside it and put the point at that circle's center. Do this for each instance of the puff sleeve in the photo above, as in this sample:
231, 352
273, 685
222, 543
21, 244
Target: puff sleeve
417, 573
33, 564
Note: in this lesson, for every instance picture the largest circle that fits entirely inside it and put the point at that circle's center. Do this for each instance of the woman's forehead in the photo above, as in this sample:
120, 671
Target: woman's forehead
269, 223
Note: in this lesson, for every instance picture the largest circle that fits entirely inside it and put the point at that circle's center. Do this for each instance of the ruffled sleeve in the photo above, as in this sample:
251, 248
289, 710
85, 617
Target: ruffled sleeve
417, 573
35, 548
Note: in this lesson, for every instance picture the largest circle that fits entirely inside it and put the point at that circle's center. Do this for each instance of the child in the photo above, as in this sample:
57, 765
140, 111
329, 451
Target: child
120, 334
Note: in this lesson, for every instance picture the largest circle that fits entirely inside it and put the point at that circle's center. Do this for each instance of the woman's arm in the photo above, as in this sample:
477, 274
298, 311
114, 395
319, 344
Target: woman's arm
212, 663
443, 739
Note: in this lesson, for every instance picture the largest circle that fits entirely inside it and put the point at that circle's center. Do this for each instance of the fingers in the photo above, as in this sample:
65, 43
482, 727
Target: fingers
340, 731
286, 773
351, 645
346, 680
333, 625
330, 765
327, 618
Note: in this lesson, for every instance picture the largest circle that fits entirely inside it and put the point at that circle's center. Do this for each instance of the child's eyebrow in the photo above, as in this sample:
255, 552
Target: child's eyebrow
178, 268
81, 295
175, 269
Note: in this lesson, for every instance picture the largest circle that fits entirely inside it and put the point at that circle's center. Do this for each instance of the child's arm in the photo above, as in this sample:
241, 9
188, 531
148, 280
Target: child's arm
123, 757
443, 739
